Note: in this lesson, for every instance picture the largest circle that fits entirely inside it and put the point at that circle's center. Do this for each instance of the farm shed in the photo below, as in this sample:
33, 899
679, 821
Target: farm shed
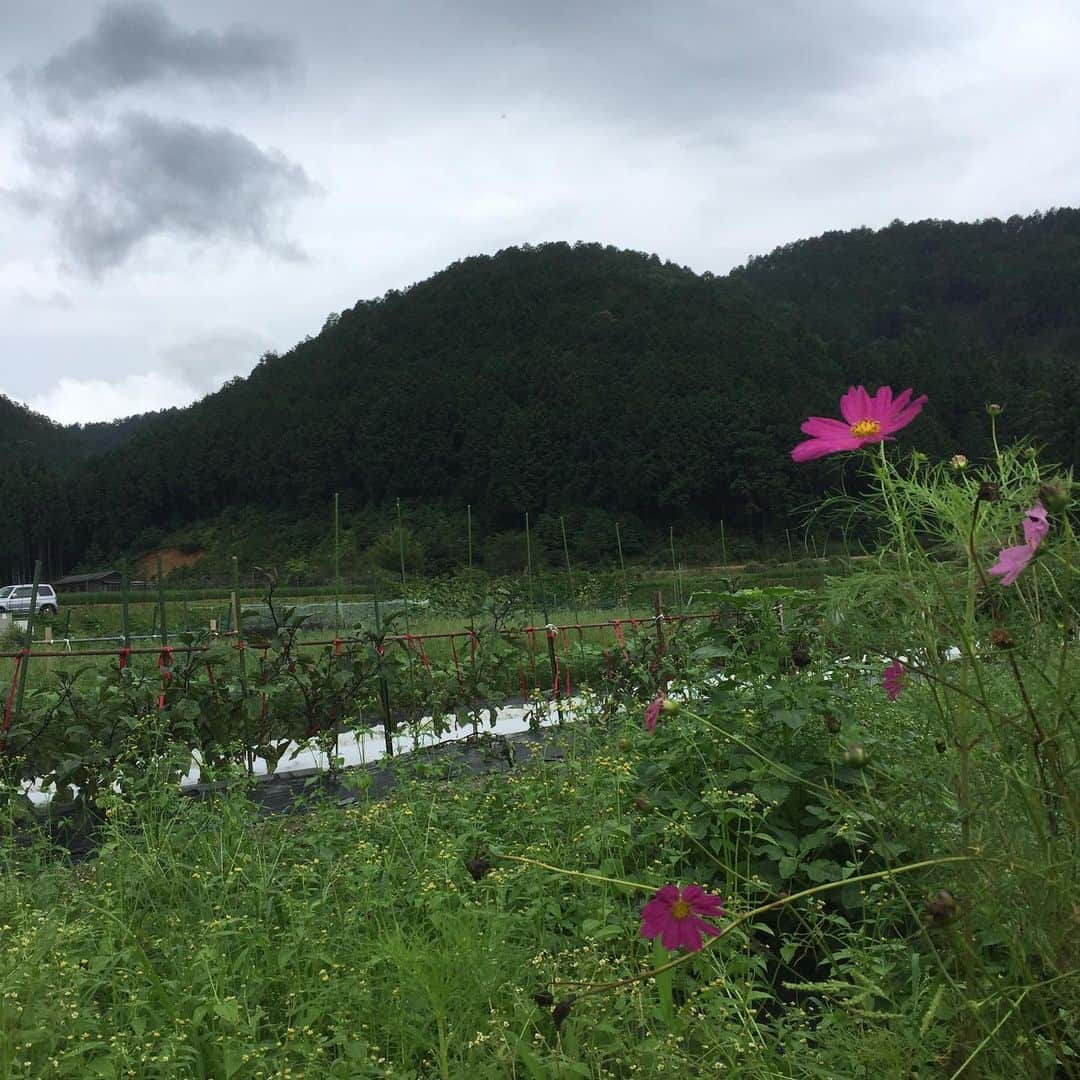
101, 581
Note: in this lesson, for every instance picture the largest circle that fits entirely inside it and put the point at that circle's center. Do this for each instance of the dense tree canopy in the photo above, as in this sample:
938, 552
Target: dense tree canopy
566, 377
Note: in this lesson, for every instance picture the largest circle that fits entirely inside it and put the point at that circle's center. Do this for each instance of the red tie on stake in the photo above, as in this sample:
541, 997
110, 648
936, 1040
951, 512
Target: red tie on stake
11, 697
457, 666
165, 667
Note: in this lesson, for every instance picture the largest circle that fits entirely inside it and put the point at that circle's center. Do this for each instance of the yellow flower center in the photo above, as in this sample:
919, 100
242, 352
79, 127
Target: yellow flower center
864, 428
680, 909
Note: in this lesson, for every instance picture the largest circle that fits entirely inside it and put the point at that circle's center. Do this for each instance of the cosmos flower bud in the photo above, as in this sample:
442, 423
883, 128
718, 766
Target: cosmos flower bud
670, 706
561, 1011
958, 462
941, 908
479, 868
855, 756
1055, 495
994, 409
990, 493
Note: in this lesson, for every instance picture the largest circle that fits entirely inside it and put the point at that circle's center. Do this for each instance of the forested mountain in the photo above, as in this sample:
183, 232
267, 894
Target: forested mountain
25, 433
968, 312
560, 377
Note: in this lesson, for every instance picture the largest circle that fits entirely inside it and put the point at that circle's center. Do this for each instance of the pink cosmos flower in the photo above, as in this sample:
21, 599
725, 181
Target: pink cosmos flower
1013, 560
674, 916
866, 420
892, 679
652, 712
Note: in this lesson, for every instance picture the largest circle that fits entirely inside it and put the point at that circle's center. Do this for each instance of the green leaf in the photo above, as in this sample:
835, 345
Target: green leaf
771, 791
793, 718
229, 1011
233, 1056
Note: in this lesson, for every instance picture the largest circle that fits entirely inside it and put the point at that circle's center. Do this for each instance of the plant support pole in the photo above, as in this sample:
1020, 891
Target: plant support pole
29, 639
337, 565
234, 600
529, 568
384, 687
622, 566
569, 572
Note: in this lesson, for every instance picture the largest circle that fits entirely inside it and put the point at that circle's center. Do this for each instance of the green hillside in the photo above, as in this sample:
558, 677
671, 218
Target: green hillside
561, 378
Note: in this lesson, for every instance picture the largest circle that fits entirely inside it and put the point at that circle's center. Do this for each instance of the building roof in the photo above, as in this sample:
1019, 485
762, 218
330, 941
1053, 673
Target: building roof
80, 579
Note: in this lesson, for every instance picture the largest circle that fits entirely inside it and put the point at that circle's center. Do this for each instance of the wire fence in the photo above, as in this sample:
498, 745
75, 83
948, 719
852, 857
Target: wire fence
200, 688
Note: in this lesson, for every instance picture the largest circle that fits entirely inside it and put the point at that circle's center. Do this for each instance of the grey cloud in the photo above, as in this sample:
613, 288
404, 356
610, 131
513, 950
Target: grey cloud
108, 190
707, 66
137, 43
55, 299
206, 361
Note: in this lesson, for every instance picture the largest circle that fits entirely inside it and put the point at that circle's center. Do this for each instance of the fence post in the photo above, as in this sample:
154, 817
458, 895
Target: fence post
234, 599
29, 639
161, 603
676, 582
554, 671
124, 585
384, 686
529, 569
337, 565
569, 572
622, 567
468, 512
659, 606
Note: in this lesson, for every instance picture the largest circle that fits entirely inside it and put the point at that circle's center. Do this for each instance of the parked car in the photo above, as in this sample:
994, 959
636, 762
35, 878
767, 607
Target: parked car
15, 600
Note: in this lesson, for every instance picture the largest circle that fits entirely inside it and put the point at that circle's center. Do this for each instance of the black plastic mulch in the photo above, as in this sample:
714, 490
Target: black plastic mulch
298, 791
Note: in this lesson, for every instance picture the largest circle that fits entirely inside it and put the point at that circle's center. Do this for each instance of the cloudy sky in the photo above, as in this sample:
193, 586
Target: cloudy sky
184, 185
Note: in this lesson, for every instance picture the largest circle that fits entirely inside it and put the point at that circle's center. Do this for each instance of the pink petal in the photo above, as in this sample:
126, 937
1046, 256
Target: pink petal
824, 427
904, 417
653, 929
671, 937
816, 448
855, 405
701, 902
881, 404
668, 893
1011, 562
708, 929
1036, 525
689, 937
901, 400
655, 911
652, 712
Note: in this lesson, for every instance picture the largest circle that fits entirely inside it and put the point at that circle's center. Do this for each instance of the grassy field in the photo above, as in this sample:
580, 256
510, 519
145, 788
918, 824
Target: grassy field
491, 926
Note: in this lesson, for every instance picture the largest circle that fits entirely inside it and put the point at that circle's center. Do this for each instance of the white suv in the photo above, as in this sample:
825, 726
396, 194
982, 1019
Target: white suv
15, 600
